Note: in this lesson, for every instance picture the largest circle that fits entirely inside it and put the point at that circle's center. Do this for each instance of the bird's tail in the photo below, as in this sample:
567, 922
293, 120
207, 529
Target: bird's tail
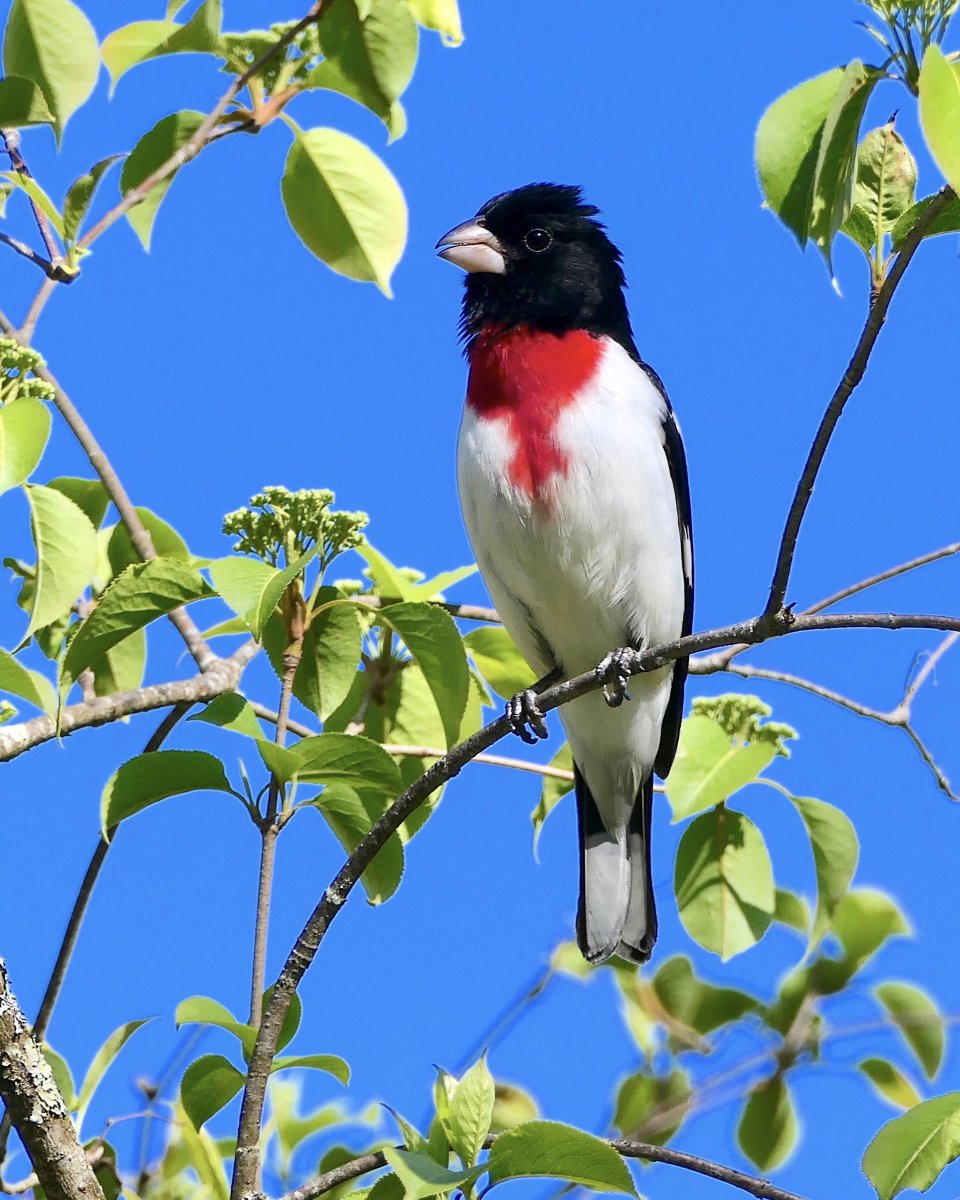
616, 914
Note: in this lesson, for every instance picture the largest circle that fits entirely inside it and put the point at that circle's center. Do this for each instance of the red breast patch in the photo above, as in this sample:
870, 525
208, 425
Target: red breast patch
526, 378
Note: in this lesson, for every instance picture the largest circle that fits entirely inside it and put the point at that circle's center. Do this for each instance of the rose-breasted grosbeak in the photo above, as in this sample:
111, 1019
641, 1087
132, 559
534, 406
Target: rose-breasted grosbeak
574, 491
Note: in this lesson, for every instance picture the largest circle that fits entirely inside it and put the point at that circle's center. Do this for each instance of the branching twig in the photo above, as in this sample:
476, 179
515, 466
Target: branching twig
11, 142
891, 573
880, 302
301, 956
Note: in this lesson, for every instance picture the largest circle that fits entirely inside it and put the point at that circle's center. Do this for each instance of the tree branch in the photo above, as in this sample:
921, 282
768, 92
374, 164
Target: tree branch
11, 142
760, 1188
754, 631
876, 316
37, 1110
222, 676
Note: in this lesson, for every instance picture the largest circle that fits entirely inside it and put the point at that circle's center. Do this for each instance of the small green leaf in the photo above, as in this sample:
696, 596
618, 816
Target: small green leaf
332, 758
345, 205
66, 545
940, 112
31, 686
422, 1177
203, 1155
698, 1005
884, 190
142, 594
274, 588
413, 1139
833, 840
208, 1085
328, 660
710, 767
512, 1106
792, 910
432, 638
864, 920
166, 542
143, 40
329, 1063
549, 1150
122, 667
552, 792
232, 712
80, 196
724, 882
440, 15
154, 776
471, 1111
240, 582
52, 43
201, 1010
642, 1101
911, 1150
154, 149
499, 661
890, 1082
101, 1062
24, 430
768, 1128
918, 1019
433, 589
61, 1077
350, 816
22, 103
282, 763
291, 1020
89, 495
390, 582
948, 221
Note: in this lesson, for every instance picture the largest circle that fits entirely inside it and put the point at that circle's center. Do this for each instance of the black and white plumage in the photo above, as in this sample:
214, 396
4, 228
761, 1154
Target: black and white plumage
574, 491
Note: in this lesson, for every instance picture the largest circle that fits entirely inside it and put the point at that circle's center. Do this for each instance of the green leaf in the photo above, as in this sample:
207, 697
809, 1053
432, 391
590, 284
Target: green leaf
350, 816
208, 1085
279, 761
890, 1082
642, 1099
61, 1076
864, 920
101, 1062
154, 776
154, 149
232, 712
274, 588
918, 1019
724, 882
142, 594
390, 582
31, 686
948, 221
28, 184
240, 582
89, 495
512, 1106
552, 792
835, 173
166, 542
342, 758
330, 1063
201, 1010
413, 1139
422, 1177
66, 545
203, 1156
792, 910
698, 1005
440, 15
143, 40
499, 661
345, 205
940, 112
24, 430
911, 1150
709, 767
80, 196
768, 1128
787, 145
549, 1150
22, 103
328, 663
833, 840
433, 589
122, 667
884, 190
53, 44
291, 1020
432, 638
471, 1111
370, 59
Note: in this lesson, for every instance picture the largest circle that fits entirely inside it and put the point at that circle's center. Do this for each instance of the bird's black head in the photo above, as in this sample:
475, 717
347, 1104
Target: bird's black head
537, 256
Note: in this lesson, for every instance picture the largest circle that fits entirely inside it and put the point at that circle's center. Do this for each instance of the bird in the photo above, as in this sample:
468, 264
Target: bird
575, 496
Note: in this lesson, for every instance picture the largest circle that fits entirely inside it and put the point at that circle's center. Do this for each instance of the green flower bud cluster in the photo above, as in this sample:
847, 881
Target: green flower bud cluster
742, 717
279, 525
243, 49
17, 364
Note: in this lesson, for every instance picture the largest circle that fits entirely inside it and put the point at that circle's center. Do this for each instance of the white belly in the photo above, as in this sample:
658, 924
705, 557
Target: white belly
592, 563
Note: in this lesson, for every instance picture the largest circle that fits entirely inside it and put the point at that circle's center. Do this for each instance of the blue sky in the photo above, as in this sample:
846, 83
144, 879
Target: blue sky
229, 358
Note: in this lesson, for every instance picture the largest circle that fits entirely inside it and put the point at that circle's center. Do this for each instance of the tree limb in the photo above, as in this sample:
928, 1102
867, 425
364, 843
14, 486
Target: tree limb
37, 1110
876, 316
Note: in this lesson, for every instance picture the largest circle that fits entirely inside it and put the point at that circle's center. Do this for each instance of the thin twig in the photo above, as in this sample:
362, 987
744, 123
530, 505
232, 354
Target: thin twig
851, 378
11, 141
37, 259
304, 950
883, 576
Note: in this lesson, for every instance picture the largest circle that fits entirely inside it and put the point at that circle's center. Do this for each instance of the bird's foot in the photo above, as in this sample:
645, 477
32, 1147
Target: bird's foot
526, 719
614, 672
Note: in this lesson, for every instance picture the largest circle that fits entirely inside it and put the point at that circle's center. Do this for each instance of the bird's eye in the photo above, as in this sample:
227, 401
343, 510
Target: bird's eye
537, 240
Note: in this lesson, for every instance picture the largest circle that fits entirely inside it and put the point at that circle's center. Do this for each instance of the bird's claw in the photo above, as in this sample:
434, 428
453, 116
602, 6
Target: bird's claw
614, 672
526, 719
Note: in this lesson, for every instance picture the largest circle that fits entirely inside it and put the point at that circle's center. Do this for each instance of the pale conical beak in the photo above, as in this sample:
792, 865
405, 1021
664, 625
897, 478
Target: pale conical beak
473, 247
